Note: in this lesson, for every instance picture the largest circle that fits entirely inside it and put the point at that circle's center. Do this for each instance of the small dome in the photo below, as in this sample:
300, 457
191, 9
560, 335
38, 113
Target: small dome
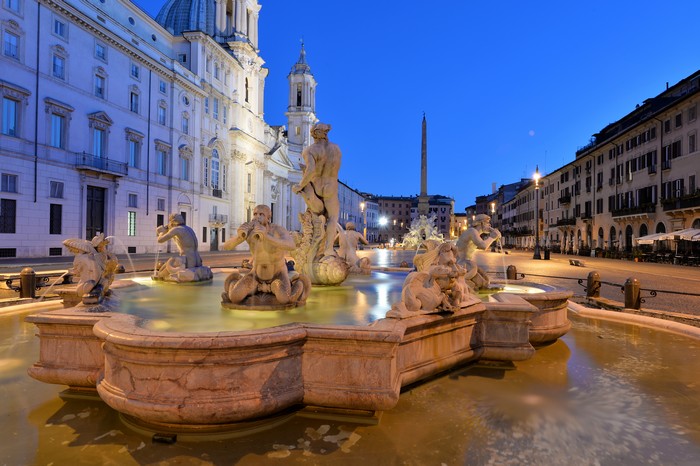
301, 67
179, 16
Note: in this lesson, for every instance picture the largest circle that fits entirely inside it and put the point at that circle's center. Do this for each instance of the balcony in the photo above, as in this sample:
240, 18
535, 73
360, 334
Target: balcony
566, 221
216, 193
565, 199
686, 202
642, 210
219, 219
84, 161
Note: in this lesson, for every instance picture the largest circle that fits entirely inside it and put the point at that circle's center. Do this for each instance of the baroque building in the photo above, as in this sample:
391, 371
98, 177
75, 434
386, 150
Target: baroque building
111, 120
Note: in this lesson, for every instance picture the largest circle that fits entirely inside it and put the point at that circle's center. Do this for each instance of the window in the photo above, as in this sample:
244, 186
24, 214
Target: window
135, 71
58, 67
679, 120
216, 108
216, 70
204, 234
12, 5
162, 161
206, 105
60, 28
185, 124
134, 153
160, 220
58, 123
10, 118
182, 57
160, 204
11, 45
184, 168
246, 89
98, 142
9, 183
55, 219
131, 224
8, 215
692, 113
691, 143
56, 189
215, 169
100, 86
161, 114
250, 180
100, 51
134, 102
133, 200
225, 114
667, 126
162, 87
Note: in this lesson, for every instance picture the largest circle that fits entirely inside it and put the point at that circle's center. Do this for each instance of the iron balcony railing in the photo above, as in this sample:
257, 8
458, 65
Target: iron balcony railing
102, 164
218, 218
217, 193
566, 221
565, 199
641, 209
681, 202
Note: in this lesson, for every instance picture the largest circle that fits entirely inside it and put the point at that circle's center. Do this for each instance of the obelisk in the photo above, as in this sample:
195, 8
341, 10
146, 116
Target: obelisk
423, 199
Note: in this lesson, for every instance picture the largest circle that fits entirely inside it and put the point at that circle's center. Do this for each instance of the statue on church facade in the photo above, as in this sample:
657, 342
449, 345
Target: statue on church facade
268, 284
314, 254
187, 267
467, 244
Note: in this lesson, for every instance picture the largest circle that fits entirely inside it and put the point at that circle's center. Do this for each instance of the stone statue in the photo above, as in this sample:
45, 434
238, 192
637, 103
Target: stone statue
319, 185
268, 285
437, 285
89, 268
188, 266
348, 242
314, 254
110, 261
469, 242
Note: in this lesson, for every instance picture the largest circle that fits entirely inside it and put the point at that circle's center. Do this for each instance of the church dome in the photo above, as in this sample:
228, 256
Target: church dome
178, 16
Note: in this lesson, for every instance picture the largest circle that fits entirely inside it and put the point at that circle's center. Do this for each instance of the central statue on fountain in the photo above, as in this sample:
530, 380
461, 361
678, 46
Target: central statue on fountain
314, 254
268, 285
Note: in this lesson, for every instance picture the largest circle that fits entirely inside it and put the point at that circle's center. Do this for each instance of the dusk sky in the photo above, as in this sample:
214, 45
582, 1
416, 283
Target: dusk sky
505, 86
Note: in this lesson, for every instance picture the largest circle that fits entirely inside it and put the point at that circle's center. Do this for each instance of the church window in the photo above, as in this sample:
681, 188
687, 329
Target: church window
298, 95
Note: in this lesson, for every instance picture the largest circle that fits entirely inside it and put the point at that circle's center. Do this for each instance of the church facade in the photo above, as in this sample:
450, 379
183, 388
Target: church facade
112, 120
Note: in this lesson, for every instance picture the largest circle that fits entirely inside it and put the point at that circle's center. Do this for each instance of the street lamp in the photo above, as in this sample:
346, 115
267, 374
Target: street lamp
536, 177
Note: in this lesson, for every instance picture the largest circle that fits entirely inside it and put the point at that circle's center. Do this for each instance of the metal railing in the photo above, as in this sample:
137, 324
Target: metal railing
103, 164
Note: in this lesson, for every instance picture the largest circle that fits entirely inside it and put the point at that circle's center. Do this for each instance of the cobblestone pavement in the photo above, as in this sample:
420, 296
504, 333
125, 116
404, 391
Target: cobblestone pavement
556, 272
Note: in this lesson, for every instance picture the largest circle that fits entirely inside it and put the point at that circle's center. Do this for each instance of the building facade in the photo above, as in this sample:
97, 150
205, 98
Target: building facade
112, 120
637, 176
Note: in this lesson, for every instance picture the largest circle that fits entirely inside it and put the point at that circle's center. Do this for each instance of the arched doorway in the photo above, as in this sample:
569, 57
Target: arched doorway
579, 243
628, 238
696, 223
589, 237
601, 237
660, 228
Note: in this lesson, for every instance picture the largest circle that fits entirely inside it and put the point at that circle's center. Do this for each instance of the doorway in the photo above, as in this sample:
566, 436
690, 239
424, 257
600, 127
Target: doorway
95, 211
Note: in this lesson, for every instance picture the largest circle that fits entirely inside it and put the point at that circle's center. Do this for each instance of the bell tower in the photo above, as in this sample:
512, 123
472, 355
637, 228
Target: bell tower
301, 110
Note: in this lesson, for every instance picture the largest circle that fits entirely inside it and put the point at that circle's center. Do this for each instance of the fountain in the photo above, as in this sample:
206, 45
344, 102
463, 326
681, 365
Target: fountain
192, 381
422, 229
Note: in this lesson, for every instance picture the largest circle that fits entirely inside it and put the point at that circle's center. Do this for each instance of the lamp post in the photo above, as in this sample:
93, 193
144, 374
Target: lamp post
536, 177
364, 219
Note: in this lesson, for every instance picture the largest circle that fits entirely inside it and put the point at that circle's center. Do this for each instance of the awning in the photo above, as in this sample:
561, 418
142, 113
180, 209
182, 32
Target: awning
650, 239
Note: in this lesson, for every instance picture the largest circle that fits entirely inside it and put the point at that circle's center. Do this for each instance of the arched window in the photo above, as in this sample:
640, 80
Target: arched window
215, 169
613, 238
696, 223
298, 95
643, 230
601, 234
246, 89
628, 238
660, 228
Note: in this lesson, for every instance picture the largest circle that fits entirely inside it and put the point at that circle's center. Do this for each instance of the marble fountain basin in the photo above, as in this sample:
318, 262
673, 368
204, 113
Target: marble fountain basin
198, 381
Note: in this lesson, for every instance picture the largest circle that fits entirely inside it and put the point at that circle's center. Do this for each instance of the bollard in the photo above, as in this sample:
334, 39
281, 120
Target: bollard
546, 254
593, 285
511, 273
27, 283
633, 294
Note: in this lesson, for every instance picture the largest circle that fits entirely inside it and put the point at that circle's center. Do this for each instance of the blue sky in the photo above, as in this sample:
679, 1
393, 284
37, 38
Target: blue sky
505, 85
